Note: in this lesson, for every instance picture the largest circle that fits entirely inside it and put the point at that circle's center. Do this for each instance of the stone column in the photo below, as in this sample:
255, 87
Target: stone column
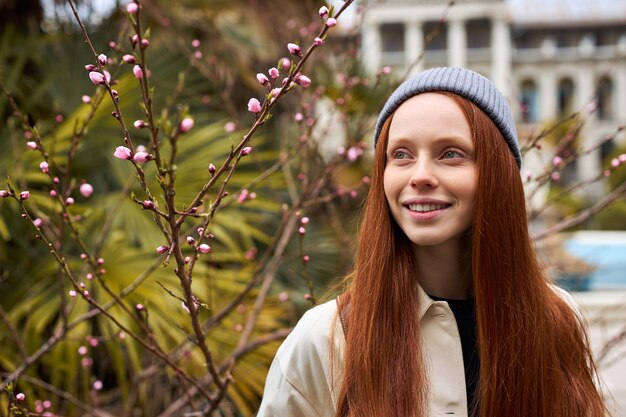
547, 87
371, 47
587, 166
501, 52
457, 43
414, 46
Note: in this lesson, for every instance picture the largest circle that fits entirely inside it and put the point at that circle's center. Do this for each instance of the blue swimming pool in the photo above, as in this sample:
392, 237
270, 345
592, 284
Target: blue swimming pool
607, 252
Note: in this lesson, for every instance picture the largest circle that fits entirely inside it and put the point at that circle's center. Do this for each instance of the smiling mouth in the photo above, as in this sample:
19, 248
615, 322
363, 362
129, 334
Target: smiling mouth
425, 208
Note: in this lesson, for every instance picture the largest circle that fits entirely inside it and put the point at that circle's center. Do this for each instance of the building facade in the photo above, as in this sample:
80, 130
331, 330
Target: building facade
549, 57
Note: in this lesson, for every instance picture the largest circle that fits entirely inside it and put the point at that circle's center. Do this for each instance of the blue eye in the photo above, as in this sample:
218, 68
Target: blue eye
451, 153
400, 155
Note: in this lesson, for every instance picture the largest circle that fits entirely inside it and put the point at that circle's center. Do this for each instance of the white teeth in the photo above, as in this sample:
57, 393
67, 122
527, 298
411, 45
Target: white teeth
423, 208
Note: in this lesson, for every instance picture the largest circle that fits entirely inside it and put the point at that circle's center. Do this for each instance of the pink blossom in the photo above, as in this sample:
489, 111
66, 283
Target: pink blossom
303, 80
331, 22
242, 196
138, 72
97, 385
102, 59
273, 72
31, 145
82, 350
262, 79
246, 151
122, 152
556, 177
318, 41
185, 125
306, 258
386, 70
286, 63
24, 195
354, 153
283, 296
302, 230
184, 306
53, 193
304, 220
254, 106
162, 249
107, 76
294, 49
20, 396
230, 127
195, 43
132, 7
97, 78
86, 99
86, 190
72, 293
89, 276
139, 124
204, 248
134, 40
148, 204
37, 222
44, 167
91, 67
622, 158
129, 59
323, 12
615, 162
606, 173
557, 161
298, 117
141, 157
69, 201
191, 240
198, 55
145, 43
212, 169
4, 193
276, 91
140, 148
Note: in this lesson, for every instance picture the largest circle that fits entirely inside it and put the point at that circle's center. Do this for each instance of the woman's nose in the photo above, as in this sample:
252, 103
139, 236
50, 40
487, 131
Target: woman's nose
423, 174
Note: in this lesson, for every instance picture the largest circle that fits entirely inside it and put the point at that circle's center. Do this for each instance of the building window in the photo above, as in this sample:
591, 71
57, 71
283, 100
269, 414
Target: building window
435, 36
604, 99
478, 33
566, 97
529, 102
392, 35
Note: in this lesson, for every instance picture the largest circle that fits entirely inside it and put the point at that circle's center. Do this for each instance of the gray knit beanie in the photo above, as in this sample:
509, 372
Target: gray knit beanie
473, 86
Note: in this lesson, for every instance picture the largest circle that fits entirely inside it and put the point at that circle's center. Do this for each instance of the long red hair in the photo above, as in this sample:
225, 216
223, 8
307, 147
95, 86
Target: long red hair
535, 358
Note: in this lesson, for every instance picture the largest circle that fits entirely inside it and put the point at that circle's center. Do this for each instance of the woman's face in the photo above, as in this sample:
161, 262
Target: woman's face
430, 173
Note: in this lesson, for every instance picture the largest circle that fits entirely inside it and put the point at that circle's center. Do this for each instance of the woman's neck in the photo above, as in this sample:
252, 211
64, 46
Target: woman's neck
444, 270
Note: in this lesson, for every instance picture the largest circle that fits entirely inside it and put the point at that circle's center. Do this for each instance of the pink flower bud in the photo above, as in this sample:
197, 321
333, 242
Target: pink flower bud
273, 72
283, 296
31, 145
86, 190
204, 248
622, 158
331, 22
69, 201
134, 40
148, 204
294, 49
306, 258
91, 67
185, 125
82, 350
139, 307
195, 43
302, 230
72, 293
304, 220
262, 79
276, 91
107, 76
145, 43
298, 117
37, 222
4, 193
102, 59
254, 106
318, 41
614, 162
129, 59
557, 161
230, 127
212, 169
162, 249
246, 151
132, 8
44, 167
242, 196
141, 157
97, 385
53, 193
386, 70
286, 63
24, 195
86, 99
122, 152
20, 396
191, 240
139, 124
138, 72
184, 306
197, 55
97, 78
89, 276
555, 176
303, 80
323, 12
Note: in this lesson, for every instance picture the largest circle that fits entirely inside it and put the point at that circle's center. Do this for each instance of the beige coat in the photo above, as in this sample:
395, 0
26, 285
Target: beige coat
302, 383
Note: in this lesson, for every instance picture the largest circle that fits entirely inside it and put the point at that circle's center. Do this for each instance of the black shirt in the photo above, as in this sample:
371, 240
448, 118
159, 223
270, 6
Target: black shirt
465, 316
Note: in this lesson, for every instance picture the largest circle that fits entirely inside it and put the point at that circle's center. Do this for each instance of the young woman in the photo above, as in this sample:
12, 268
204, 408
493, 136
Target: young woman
447, 312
